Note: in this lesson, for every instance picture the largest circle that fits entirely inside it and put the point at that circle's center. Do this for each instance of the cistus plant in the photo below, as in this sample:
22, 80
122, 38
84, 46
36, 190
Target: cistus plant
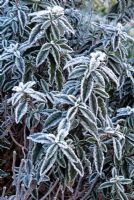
66, 100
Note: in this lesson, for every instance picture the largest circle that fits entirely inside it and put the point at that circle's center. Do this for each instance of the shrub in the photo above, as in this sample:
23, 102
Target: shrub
66, 100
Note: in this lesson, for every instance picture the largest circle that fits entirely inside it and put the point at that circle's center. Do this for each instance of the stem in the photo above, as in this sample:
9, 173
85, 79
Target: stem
14, 140
77, 189
51, 189
57, 193
19, 180
86, 196
4, 191
13, 165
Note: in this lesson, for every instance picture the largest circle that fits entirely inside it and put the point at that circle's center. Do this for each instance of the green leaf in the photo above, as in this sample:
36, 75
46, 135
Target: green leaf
66, 25
42, 56
93, 104
111, 75
20, 110
119, 187
20, 64
122, 195
47, 164
98, 78
101, 92
42, 138
59, 79
53, 120
45, 85
72, 113
63, 128
77, 72
51, 151
89, 125
45, 25
125, 181
98, 159
72, 173
70, 154
115, 40
117, 148
86, 112
34, 33
86, 88
102, 107
3, 174
130, 137
79, 168
22, 18
55, 31
56, 55
105, 185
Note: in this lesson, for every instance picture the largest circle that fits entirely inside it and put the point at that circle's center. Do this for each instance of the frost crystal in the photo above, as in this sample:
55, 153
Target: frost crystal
119, 28
96, 58
56, 10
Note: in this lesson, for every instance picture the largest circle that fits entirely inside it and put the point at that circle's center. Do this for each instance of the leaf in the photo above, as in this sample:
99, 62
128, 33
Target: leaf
61, 161
66, 48
20, 110
130, 137
22, 18
98, 78
59, 79
101, 92
51, 151
117, 148
41, 57
79, 168
76, 61
105, 185
111, 75
114, 172
70, 154
3, 174
36, 95
45, 25
29, 84
34, 33
71, 113
27, 180
125, 181
102, 107
86, 88
115, 40
28, 166
122, 195
20, 64
42, 138
122, 5
64, 127
93, 104
55, 31
56, 54
53, 120
71, 174
77, 72
66, 25
89, 125
85, 110
47, 164
52, 71
119, 187
98, 159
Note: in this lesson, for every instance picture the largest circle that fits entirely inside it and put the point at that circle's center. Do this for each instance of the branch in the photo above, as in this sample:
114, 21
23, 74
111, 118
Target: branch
86, 196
